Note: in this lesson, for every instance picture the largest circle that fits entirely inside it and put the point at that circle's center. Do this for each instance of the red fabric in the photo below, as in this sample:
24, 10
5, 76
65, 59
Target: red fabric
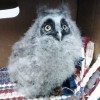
85, 40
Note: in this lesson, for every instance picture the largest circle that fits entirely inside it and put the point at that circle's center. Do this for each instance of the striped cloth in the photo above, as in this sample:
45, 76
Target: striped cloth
8, 92
7, 88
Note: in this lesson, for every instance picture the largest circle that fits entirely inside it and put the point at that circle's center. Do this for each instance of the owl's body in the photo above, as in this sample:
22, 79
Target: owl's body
44, 58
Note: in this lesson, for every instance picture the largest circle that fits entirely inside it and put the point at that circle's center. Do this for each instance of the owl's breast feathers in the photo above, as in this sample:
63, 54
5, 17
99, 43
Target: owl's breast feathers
54, 56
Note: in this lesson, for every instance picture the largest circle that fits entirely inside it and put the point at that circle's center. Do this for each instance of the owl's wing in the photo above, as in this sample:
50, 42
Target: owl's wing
21, 53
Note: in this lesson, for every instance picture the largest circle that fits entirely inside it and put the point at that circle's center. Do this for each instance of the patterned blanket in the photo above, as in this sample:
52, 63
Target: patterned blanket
7, 89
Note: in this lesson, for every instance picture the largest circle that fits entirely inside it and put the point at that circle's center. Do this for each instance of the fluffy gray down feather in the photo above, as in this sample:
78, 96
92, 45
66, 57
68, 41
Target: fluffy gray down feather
39, 63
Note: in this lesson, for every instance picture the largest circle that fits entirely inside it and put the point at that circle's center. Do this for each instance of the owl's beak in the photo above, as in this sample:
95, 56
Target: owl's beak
59, 36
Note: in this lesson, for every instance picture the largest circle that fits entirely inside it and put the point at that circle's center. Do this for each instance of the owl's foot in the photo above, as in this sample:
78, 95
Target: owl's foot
56, 91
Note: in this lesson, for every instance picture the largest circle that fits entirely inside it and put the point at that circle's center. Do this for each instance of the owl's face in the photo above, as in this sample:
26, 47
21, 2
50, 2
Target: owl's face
56, 27
53, 23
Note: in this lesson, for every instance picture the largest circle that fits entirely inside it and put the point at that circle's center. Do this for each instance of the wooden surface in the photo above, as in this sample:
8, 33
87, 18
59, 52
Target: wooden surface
88, 20
5, 4
12, 29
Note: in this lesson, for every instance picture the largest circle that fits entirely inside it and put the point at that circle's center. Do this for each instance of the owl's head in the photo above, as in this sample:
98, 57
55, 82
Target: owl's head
55, 23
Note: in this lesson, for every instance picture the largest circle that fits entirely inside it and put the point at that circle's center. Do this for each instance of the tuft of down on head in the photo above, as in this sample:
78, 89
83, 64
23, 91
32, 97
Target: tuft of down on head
44, 11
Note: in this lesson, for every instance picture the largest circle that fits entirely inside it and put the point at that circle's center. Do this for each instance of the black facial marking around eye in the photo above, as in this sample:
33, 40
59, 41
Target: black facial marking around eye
65, 28
48, 27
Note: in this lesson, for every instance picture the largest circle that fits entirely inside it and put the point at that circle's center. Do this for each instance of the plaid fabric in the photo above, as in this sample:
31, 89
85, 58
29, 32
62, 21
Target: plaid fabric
8, 92
7, 89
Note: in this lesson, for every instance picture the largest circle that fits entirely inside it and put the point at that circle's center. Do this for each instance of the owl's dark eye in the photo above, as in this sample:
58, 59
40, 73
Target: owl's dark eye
65, 27
47, 28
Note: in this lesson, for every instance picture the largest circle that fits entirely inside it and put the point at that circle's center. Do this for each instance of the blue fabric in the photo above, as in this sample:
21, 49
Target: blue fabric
3, 69
78, 62
70, 83
4, 76
98, 98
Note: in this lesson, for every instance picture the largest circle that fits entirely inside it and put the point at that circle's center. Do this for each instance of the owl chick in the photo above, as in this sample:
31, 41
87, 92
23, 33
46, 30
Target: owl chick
44, 58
